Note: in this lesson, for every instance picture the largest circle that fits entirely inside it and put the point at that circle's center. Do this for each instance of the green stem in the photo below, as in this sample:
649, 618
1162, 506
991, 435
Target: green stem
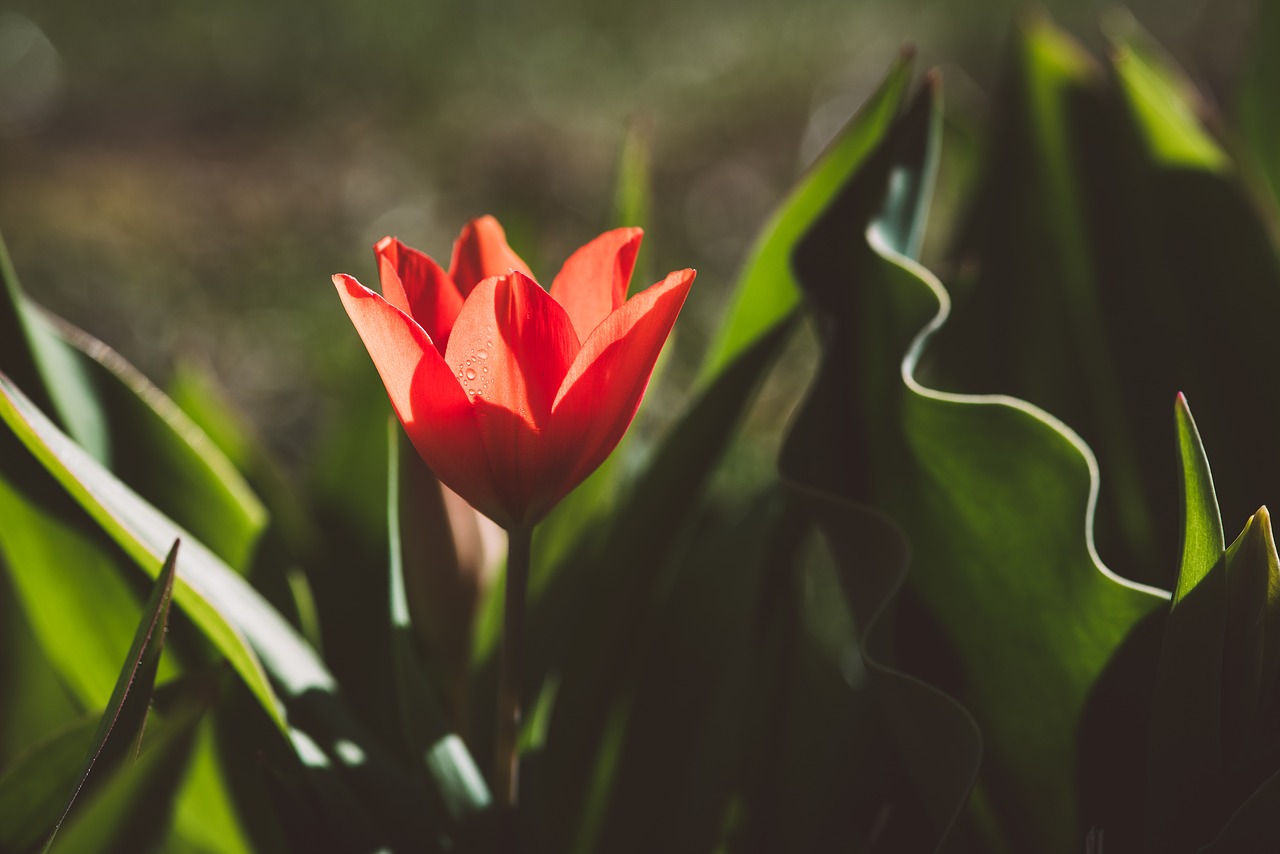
506, 755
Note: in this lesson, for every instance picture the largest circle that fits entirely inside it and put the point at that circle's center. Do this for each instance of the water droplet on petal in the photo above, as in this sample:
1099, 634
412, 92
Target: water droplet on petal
486, 369
483, 354
471, 374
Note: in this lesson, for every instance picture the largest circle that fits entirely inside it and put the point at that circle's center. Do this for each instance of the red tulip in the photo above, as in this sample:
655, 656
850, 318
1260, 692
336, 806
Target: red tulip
511, 394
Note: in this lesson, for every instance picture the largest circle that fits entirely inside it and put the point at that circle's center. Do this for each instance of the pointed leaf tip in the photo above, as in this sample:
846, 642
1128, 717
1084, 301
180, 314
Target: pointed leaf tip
1203, 540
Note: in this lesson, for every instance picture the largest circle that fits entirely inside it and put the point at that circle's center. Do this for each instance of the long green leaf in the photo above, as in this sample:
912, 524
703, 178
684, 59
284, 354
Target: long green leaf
74, 590
252, 635
119, 733
207, 589
767, 291
132, 811
436, 749
1185, 770
127, 424
1162, 103
938, 740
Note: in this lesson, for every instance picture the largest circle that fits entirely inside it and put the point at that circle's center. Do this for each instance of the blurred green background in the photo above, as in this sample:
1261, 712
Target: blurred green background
181, 179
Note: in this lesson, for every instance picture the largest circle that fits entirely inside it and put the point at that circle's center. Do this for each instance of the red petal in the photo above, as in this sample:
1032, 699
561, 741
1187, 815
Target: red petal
511, 347
603, 387
593, 282
426, 396
414, 283
481, 251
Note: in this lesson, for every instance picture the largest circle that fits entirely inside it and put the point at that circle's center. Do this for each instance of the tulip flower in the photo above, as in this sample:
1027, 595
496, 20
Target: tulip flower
513, 394
510, 393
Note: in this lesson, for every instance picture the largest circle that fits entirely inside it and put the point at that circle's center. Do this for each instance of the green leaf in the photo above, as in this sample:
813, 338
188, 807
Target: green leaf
1256, 93
1085, 260
767, 291
74, 591
1249, 655
38, 360
253, 636
207, 590
33, 789
1185, 767
996, 500
119, 735
127, 424
1161, 100
133, 809
1203, 542
938, 741
435, 748
34, 701
706, 642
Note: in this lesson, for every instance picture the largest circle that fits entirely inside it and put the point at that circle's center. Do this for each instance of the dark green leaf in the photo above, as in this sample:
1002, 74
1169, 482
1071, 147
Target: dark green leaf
995, 498
132, 810
1248, 666
412, 505
119, 735
33, 790
1185, 770
938, 741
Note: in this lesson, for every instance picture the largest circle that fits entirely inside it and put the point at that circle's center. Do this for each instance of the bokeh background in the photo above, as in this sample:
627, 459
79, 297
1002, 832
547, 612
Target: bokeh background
181, 179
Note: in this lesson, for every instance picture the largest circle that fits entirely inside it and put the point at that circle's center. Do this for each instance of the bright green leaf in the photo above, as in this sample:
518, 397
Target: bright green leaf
767, 291
1162, 103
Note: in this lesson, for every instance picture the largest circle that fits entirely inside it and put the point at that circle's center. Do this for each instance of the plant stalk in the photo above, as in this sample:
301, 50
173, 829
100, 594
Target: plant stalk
506, 755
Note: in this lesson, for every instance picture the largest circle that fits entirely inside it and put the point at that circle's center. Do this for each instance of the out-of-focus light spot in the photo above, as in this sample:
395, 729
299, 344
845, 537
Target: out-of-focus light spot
32, 82
349, 752
308, 751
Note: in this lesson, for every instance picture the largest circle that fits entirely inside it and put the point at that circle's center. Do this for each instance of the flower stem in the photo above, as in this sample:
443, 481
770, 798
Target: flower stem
506, 756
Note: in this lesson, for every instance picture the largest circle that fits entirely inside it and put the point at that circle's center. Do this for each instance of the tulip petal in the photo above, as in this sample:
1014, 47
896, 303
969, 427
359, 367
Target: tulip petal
426, 396
481, 251
608, 377
511, 347
593, 282
414, 283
